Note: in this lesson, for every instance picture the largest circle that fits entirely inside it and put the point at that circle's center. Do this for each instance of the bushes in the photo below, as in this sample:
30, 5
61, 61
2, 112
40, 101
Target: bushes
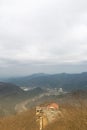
74, 118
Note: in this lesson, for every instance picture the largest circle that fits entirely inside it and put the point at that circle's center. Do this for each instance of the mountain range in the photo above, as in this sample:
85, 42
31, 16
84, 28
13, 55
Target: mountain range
66, 81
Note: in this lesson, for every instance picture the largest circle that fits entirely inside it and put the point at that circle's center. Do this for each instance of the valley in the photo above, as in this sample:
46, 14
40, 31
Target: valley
20, 102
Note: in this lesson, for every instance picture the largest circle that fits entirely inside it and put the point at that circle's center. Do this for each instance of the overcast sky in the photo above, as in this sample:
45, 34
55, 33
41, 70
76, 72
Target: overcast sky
47, 36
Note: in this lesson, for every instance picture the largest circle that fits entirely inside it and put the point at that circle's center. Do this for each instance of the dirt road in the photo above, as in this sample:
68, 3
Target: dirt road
21, 107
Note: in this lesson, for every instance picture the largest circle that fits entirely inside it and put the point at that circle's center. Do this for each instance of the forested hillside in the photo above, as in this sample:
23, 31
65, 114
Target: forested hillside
64, 80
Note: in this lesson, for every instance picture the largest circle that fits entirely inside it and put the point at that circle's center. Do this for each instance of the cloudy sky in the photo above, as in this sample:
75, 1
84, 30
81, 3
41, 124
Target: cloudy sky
47, 36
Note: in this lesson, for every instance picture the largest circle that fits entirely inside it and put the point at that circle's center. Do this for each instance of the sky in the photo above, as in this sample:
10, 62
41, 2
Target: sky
48, 36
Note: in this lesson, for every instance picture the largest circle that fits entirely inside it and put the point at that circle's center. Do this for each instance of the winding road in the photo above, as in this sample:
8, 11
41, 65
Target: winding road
21, 107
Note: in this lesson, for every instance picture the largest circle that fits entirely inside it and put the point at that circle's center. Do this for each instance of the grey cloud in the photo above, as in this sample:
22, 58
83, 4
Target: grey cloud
38, 34
26, 69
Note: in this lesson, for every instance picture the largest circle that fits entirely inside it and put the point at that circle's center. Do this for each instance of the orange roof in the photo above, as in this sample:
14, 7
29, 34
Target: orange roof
53, 105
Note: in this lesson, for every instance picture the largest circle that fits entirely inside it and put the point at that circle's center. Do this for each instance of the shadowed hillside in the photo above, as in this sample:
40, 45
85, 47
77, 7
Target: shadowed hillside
8, 89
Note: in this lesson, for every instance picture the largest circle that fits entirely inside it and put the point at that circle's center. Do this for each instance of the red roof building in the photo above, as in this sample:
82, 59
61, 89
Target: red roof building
53, 106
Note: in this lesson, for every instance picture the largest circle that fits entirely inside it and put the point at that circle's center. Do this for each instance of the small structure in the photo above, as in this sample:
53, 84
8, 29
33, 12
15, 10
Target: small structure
41, 117
60, 90
53, 106
39, 110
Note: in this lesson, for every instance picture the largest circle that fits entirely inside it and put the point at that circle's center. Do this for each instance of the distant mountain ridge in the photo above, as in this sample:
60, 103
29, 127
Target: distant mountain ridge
63, 80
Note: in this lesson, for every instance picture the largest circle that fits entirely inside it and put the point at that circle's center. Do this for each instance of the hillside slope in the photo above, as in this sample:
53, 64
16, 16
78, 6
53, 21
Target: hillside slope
74, 118
11, 94
9, 89
24, 121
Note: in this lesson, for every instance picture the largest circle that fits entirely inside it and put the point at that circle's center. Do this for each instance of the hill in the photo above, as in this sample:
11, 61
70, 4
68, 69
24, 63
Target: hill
66, 81
9, 89
11, 94
73, 118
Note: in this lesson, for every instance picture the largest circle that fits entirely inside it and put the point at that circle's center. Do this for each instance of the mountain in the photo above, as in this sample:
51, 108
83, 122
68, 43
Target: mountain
11, 94
9, 89
66, 81
24, 81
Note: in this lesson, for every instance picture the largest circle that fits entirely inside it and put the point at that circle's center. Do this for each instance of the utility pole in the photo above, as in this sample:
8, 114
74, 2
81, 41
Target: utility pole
39, 115
41, 123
